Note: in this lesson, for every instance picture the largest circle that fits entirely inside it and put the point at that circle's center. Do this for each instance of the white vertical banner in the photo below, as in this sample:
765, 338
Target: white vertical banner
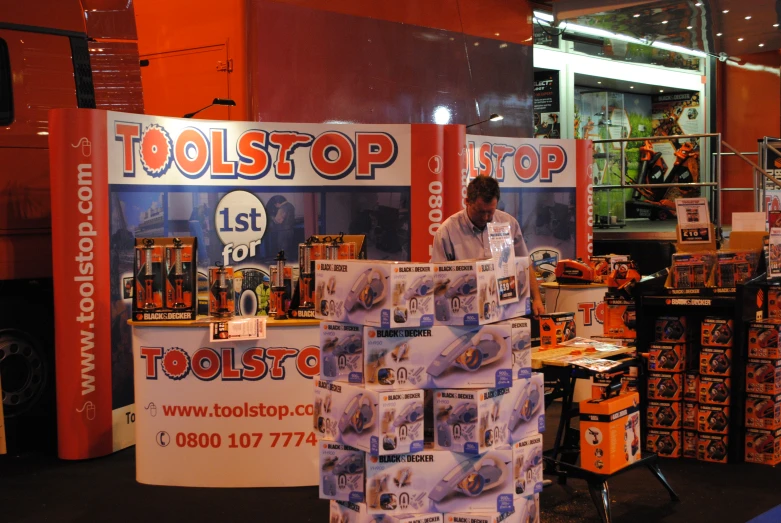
225, 415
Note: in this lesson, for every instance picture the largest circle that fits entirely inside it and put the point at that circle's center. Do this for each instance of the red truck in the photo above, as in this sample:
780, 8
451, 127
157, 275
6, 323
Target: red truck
53, 54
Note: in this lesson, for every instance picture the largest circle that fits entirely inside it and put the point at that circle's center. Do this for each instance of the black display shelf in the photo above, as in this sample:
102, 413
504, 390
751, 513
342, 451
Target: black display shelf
741, 304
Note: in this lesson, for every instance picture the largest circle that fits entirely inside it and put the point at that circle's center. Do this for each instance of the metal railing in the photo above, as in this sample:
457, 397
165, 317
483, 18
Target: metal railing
714, 178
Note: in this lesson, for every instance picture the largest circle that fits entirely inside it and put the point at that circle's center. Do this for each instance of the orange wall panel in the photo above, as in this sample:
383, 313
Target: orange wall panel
751, 108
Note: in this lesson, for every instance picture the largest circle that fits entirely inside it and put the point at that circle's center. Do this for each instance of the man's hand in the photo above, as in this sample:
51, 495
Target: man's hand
537, 307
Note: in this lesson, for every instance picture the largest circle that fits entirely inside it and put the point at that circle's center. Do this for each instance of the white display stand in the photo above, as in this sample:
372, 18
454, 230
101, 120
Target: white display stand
587, 301
235, 414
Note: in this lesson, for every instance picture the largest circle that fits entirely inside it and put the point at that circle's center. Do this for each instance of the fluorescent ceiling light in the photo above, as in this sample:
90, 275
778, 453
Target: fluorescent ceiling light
601, 33
543, 16
678, 49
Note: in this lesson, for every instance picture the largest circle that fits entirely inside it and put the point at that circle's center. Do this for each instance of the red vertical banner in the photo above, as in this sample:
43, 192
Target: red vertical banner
584, 189
427, 188
80, 250
456, 168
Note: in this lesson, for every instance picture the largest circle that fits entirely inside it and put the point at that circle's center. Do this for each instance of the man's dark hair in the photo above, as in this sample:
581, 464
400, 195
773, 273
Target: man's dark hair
483, 187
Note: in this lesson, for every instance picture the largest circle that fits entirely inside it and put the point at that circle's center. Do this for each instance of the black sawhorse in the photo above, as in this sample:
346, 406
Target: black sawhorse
561, 460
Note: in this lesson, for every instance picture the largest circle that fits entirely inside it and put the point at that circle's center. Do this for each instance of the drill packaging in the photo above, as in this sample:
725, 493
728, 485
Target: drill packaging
763, 339
715, 361
664, 414
341, 352
763, 376
666, 443
665, 387
375, 422
438, 357
716, 332
715, 390
713, 419
667, 357
763, 411
712, 447
610, 433
763, 446
556, 328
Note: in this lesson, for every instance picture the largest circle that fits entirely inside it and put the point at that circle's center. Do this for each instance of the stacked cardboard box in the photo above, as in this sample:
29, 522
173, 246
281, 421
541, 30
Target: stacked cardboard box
668, 359
763, 399
714, 389
426, 333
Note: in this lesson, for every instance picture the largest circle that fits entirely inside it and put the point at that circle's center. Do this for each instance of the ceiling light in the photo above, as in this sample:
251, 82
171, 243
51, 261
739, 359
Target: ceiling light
496, 34
496, 117
725, 11
679, 49
637, 15
477, 43
661, 90
442, 115
688, 27
719, 34
631, 86
543, 16
775, 25
664, 22
748, 17
599, 82
740, 39
502, 46
698, 4
761, 45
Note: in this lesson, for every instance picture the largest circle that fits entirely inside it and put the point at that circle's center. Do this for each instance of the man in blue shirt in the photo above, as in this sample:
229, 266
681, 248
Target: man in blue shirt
464, 235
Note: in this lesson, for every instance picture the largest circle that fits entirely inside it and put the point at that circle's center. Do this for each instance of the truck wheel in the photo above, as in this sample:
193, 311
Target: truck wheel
23, 371
662, 215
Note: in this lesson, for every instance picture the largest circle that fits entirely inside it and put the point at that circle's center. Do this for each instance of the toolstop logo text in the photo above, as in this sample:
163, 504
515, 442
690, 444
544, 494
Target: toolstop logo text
229, 364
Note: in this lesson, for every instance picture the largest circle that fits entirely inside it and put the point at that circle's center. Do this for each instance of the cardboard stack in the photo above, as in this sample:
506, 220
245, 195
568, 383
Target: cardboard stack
395, 336
714, 390
763, 398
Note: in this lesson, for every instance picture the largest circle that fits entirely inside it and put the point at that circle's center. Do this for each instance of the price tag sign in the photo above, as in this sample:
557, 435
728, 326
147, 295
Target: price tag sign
503, 251
693, 220
774, 255
238, 329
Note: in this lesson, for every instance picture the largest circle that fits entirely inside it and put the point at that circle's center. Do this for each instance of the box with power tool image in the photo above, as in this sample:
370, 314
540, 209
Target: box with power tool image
467, 420
342, 471
664, 442
763, 412
763, 376
603, 265
690, 444
689, 411
521, 346
378, 293
716, 332
715, 361
438, 357
715, 390
376, 422
670, 329
465, 293
665, 387
440, 481
763, 446
664, 414
346, 512
774, 302
523, 306
667, 357
712, 447
527, 510
620, 318
555, 328
164, 283
763, 339
610, 433
691, 386
523, 413
341, 352
713, 419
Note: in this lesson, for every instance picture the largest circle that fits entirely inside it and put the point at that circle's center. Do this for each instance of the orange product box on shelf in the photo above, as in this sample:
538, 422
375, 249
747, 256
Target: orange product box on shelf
610, 433
763, 446
667, 357
690, 444
715, 390
555, 328
712, 447
763, 411
670, 329
734, 267
666, 443
664, 414
689, 411
620, 318
763, 339
713, 419
603, 265
665, 387
717, 332
774, 302
715, 361
763, 376
691, 386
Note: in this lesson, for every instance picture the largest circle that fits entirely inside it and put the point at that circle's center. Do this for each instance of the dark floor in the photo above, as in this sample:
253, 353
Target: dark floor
38, 489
